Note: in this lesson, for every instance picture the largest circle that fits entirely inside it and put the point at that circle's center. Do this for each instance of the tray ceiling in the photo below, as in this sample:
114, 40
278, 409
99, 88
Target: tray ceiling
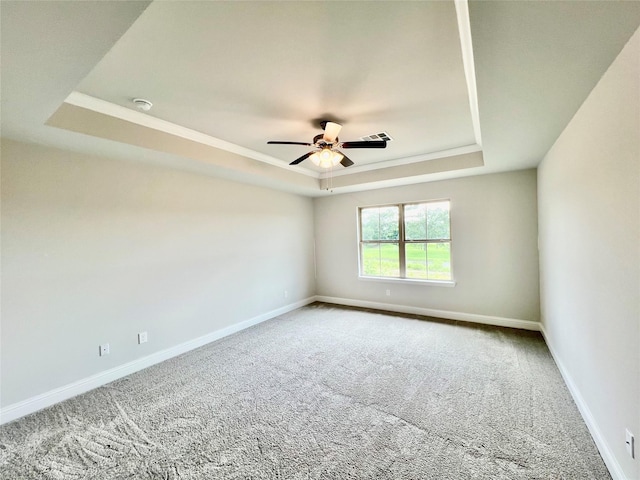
226, 77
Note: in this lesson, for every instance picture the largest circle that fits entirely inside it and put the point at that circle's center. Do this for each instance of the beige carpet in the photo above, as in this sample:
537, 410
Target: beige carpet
322, 393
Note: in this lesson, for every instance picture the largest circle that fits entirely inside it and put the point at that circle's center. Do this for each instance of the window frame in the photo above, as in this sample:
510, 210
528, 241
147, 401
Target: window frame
402, 242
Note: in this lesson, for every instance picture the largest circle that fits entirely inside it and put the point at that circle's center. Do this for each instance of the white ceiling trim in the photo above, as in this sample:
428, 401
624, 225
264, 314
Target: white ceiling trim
100, 106
464, 30
423, 157
134, 116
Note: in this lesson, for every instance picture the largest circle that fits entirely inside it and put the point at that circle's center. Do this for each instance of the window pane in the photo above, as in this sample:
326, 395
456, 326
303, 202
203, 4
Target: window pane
438, 220
380, 259
380, 223
370, 221
416, 260
415, 222
389, 218
428, 260
439, 261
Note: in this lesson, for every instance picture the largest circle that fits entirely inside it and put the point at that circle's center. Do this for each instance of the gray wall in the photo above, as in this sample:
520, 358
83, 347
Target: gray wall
494, 247
589, 209
96, 250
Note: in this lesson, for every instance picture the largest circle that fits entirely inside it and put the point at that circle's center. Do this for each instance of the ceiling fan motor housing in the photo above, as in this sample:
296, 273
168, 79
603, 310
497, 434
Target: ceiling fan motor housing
319, 140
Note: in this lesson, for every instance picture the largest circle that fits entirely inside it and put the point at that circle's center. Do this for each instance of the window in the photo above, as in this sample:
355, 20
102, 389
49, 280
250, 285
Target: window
408, 241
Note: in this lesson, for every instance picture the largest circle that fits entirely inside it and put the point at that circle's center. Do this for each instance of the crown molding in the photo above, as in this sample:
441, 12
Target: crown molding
424, 157
101, 106
466, 45
139, 118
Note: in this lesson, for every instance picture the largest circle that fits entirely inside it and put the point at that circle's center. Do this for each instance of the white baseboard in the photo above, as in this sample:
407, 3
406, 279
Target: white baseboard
609, 459
430, 312
44, 400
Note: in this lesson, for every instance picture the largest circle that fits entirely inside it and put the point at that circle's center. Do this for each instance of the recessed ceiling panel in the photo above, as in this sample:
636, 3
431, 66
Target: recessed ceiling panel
249, 72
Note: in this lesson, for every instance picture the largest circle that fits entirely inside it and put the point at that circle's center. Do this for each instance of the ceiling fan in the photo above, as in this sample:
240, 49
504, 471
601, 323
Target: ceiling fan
326, 153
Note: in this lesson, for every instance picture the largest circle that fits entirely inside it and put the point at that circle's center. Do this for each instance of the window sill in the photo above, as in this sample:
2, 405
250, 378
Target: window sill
413, 281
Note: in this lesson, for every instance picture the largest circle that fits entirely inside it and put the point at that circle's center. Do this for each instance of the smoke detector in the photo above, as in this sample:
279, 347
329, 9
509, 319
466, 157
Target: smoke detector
142, 104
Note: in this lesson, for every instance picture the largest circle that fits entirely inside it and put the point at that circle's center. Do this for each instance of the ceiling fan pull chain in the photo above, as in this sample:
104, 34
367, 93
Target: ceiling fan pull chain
330, 180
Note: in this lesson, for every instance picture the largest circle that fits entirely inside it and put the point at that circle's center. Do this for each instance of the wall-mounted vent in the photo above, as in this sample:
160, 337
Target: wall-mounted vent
377, 137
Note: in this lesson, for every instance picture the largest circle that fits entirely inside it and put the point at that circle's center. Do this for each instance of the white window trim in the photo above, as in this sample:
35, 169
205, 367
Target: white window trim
432, 283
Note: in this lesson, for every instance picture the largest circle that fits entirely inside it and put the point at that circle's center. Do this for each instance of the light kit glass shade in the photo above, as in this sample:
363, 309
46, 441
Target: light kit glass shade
331, 131
326, 158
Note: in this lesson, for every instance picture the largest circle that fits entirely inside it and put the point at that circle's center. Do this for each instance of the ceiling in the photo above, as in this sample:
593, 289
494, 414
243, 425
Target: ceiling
463, 89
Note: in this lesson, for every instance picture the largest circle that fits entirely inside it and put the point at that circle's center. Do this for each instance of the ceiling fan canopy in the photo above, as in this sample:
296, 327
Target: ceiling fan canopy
327, 144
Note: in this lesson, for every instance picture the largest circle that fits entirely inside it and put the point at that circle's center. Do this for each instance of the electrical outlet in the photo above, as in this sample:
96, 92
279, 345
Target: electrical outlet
286, 294
388, 292
103, 349
629, 443
142, 337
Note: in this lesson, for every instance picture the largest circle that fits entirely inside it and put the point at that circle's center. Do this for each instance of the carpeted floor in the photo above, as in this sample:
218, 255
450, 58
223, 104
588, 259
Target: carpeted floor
322, 392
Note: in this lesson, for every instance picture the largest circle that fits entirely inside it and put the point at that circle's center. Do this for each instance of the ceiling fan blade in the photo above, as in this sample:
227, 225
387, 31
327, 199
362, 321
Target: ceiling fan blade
364, 144
331, 131
300, 159
346, 161
288, 143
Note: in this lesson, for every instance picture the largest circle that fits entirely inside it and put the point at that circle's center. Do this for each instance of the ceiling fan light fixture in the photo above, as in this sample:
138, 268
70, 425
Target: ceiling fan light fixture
326, 158
324, 155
